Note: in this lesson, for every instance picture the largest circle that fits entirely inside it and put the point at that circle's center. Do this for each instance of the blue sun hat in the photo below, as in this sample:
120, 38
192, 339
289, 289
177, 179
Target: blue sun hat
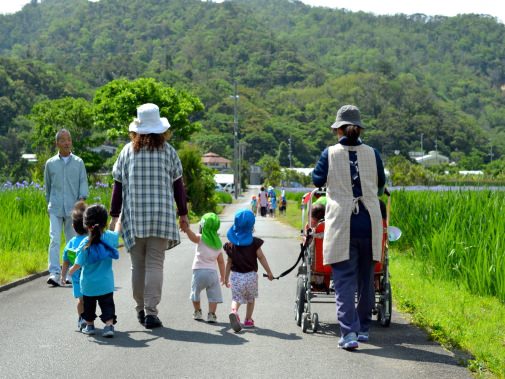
240, 234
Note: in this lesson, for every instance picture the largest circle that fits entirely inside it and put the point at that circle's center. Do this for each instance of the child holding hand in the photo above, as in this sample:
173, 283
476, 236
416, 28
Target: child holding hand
95, 256
244, 252
207, 253
69, 255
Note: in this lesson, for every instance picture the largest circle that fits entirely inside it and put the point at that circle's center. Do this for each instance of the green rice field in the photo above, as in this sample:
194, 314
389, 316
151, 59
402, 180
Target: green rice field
24, 228
455, 235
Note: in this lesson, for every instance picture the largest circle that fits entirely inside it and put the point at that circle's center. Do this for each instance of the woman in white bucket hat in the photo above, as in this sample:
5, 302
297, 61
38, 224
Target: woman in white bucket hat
147, 180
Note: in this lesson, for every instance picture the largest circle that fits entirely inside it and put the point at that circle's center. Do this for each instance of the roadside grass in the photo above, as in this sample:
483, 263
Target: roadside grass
24, 230
24, 227
452, 316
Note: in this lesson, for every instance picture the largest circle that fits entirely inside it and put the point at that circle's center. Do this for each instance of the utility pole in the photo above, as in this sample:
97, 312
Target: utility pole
236, 167
422, 151
491, 153
290, 151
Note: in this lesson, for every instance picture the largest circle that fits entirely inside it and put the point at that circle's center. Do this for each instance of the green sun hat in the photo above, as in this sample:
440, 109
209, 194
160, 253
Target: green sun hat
210, 225
321, 200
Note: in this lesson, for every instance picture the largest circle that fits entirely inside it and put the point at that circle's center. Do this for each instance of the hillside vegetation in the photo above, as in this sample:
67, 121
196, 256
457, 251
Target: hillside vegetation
411, 75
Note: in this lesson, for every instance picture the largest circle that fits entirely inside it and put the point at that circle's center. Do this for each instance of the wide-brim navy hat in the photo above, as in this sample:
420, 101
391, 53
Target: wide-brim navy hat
241, 232
348, 115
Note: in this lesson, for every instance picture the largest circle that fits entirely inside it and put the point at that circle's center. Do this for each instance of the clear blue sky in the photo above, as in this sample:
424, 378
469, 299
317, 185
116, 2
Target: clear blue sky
494, 8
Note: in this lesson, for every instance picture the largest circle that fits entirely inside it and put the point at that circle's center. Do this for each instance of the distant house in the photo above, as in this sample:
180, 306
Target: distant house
432, 158
214, 161
29, 157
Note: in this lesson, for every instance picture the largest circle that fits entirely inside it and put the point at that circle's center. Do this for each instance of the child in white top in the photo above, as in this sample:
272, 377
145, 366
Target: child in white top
207, 252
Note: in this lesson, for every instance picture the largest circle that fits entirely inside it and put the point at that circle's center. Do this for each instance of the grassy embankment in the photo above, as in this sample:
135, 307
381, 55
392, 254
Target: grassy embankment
448, 270
24, 228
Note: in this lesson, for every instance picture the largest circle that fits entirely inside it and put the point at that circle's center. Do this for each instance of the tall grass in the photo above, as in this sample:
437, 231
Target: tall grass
24, 228
457, 235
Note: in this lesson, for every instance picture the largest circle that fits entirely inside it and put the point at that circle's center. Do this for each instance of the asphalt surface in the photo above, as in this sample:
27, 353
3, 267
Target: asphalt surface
38, 335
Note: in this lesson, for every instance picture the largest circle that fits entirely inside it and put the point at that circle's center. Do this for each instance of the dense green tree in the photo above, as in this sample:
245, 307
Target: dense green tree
198, 179
115, 106
295, 65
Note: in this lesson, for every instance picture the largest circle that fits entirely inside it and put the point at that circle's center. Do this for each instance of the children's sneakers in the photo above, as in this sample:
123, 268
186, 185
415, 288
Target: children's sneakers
108, 331
249, 323
81, 324
211, 317
89, 330
197, 315
235, 322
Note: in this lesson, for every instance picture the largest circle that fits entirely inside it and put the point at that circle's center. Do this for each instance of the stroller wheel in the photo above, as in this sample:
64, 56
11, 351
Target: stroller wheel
315, 322
386, 307
305, 322
300, 300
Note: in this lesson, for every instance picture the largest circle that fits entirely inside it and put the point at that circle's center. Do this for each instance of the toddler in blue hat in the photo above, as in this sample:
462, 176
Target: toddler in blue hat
244, 252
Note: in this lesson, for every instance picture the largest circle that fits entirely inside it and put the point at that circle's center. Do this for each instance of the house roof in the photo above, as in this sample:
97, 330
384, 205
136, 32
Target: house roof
214, 158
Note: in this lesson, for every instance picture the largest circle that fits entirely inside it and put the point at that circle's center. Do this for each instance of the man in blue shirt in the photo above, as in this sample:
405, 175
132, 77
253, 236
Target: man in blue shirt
65, 183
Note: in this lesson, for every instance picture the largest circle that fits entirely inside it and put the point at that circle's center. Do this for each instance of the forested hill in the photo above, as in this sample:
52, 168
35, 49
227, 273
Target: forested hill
294, 65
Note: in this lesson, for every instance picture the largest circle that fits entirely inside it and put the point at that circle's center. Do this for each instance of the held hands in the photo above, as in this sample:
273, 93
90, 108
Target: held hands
113, 221
183, 223
225, 282
63, 280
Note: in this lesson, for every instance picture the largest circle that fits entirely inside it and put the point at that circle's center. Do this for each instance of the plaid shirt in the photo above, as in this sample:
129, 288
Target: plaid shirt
148, 200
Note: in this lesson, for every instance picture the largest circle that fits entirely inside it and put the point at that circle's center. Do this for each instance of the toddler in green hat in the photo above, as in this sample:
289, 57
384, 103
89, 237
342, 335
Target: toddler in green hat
207, 253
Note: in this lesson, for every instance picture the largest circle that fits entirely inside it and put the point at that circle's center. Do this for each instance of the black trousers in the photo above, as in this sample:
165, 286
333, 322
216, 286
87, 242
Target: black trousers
263, 211
106, 303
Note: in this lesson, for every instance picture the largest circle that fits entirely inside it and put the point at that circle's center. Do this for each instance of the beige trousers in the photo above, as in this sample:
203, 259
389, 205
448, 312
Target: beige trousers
147, 256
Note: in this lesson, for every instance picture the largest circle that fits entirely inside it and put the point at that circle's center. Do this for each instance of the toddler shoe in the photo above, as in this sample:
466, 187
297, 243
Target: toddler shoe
249, 323
211, 317
235, 322
89, 330
108, 331
197, 315
81, 324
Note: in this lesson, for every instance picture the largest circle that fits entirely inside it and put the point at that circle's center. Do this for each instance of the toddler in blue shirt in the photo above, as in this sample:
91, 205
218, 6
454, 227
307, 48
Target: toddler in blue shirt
95, 256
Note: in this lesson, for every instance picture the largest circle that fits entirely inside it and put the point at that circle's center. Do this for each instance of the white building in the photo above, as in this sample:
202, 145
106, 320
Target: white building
433, 158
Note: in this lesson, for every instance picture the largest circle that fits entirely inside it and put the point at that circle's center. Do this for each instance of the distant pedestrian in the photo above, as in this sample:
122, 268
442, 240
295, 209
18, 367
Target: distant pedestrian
254, 205
147, 182
263, 201
70, 253
283, 203
272, 198
95, 256
208, 251
244, 252
65, 183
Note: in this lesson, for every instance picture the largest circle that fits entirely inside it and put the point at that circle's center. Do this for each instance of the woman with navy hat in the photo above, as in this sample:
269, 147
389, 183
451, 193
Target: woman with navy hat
354, 177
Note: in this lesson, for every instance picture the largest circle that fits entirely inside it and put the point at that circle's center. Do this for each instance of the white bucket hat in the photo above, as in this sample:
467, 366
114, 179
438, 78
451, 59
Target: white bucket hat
148, 120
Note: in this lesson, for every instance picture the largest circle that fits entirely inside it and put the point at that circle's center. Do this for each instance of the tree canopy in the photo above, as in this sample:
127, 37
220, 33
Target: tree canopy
440, 79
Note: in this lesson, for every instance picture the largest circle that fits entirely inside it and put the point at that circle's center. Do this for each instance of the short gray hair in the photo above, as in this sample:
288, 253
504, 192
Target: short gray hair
60, 132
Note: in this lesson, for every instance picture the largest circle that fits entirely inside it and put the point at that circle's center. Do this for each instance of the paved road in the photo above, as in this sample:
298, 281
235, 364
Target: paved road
38, 337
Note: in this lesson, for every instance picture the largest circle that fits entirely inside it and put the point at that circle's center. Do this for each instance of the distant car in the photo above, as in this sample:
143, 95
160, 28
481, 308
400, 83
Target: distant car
229, 187
219, 188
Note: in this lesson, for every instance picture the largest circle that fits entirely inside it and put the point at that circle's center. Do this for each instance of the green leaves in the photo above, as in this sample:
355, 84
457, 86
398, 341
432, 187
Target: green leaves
115, 106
